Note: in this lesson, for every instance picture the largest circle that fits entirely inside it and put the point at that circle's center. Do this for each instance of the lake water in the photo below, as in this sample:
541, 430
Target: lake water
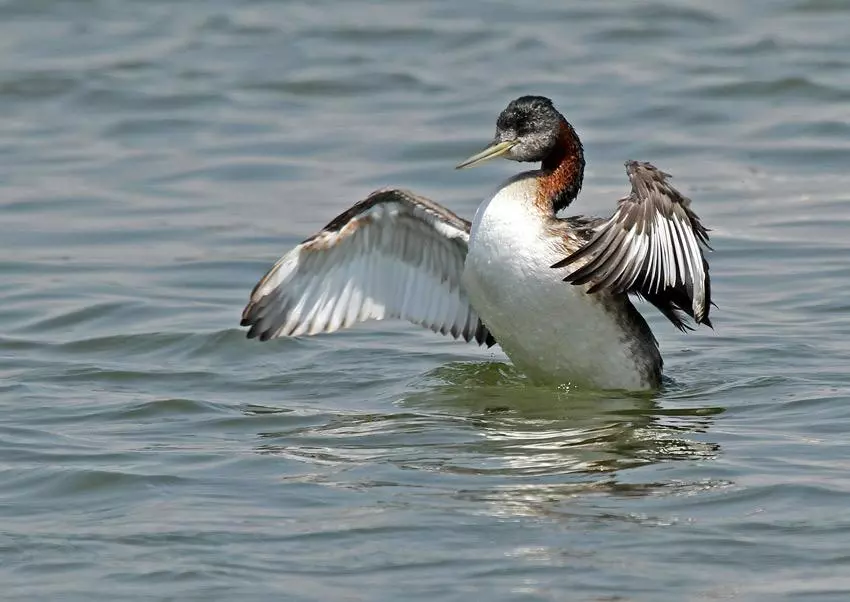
158, 156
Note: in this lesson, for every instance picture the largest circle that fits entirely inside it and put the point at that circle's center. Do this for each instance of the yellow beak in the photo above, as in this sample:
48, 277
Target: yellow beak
497, 149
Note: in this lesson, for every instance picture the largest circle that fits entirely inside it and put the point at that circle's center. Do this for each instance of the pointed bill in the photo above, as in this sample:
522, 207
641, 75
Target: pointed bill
497, 149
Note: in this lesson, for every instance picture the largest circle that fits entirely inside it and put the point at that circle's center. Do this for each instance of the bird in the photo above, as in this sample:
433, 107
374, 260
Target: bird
555, 293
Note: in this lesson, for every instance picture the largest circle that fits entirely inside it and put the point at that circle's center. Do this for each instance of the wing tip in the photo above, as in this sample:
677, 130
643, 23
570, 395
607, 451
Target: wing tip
637, 168
255, 318
258, 331
254, 331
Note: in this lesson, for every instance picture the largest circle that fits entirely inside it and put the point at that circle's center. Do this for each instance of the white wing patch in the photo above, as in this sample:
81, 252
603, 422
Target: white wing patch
393, 255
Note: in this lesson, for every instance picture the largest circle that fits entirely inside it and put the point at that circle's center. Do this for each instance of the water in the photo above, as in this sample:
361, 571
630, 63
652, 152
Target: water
158, 156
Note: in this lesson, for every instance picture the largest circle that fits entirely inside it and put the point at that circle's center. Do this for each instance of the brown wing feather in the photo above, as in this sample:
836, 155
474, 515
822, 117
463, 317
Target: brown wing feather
652, 247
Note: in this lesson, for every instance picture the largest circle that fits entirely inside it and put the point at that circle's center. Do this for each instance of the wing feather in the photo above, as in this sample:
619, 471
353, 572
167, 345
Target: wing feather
652, 246
392, 255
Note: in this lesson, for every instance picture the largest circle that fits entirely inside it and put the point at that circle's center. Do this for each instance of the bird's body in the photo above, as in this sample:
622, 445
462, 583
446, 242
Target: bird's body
547, 329
502, 277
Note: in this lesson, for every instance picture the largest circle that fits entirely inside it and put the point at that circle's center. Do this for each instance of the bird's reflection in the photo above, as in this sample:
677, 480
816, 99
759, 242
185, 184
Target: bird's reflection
518, 447
543, 444
601, 430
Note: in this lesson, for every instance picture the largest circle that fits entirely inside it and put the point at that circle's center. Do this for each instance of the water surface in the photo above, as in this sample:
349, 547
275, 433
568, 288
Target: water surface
158, 156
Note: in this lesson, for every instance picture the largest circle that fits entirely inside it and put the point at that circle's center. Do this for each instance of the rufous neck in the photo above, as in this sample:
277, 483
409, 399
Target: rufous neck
562, 170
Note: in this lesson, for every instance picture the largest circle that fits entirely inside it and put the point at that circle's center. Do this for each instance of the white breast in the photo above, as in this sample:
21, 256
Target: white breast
551, 330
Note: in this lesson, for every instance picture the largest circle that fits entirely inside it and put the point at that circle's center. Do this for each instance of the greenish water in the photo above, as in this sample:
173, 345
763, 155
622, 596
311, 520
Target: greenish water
158, 156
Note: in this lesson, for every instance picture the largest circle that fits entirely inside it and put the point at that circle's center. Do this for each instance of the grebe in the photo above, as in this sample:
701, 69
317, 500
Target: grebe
501, 277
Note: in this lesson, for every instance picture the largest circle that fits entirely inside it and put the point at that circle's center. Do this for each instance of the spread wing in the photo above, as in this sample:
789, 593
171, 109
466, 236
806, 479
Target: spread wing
392, 255
652, 247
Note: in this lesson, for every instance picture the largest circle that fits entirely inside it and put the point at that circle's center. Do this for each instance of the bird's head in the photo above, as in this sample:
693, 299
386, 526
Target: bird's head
527, 130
